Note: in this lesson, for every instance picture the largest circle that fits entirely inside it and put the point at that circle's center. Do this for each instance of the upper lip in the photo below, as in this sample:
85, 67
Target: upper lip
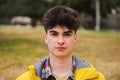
61, 47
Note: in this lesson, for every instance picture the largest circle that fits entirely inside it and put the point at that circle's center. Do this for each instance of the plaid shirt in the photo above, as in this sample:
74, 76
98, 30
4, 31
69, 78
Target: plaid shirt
47, 72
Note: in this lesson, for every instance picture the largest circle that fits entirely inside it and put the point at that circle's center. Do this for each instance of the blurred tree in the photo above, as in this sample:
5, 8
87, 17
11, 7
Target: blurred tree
36, 8
88, 6
9, 8
12, 7
32, 8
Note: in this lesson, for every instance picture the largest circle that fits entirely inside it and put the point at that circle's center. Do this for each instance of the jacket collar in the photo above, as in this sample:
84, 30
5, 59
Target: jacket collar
47, 72
43, 69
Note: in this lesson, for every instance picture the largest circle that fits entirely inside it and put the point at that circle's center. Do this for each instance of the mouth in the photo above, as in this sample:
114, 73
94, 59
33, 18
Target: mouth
61, 48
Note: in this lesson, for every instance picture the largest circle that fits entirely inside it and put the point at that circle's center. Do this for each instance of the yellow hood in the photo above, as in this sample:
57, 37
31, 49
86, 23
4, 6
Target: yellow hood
88, 74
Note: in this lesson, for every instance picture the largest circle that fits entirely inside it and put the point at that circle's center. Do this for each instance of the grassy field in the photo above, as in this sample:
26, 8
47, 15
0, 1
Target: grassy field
23, 46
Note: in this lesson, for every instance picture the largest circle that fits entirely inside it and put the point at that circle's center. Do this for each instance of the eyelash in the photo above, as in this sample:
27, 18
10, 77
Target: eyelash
66, 34
54, 34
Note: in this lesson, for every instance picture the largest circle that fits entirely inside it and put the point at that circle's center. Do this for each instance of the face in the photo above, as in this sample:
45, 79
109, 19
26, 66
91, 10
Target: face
60, 41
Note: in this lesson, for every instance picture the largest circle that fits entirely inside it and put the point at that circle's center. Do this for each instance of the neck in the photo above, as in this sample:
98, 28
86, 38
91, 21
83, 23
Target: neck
60, 66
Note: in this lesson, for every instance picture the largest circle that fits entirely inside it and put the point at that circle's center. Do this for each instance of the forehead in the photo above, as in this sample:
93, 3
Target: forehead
60, 29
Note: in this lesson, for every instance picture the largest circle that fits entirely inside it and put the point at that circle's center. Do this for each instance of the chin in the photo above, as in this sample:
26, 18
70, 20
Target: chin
62, 55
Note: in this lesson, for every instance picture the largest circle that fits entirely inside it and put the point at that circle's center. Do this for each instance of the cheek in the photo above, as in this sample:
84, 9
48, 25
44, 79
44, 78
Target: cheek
71, 43
50, 41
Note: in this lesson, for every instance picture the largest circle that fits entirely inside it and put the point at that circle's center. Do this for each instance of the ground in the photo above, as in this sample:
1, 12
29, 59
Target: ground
23, 46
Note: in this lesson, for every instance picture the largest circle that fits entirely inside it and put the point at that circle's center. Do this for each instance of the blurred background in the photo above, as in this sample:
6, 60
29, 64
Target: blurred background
22, 34
107, 13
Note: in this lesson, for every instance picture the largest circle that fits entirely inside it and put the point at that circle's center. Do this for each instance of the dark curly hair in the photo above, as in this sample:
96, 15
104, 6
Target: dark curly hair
63, 16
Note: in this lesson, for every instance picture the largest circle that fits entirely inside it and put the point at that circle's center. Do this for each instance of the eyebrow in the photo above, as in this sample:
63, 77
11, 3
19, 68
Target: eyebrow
68, 31
52, 31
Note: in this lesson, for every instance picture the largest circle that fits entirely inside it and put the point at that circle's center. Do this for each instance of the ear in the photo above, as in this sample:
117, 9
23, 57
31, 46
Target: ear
75, 38
45, 37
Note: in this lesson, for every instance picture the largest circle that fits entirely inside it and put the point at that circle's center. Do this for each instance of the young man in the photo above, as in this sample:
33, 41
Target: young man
61, 24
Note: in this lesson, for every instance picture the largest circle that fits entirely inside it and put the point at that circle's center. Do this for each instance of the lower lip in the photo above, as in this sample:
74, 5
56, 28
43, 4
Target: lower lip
61, 48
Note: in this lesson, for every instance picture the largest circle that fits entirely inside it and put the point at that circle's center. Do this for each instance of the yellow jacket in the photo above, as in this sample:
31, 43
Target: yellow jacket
86, 73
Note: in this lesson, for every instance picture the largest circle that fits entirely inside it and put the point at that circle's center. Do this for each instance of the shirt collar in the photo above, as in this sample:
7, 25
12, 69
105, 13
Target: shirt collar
46, 70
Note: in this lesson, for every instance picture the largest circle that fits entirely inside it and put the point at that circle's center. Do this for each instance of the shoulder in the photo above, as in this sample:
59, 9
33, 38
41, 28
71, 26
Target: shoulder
88, 74
79, 63
33, 71
29, 75
39, 66
84, 71
24, 76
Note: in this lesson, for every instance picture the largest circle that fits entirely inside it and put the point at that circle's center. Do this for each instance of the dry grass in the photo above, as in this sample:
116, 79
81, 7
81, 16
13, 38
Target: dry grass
102, 50
23, 46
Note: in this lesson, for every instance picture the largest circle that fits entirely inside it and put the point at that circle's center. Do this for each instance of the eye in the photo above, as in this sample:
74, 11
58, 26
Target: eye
53, 34
67, 34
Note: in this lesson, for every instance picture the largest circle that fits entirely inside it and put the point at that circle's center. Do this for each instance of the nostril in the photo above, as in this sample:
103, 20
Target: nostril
61, 41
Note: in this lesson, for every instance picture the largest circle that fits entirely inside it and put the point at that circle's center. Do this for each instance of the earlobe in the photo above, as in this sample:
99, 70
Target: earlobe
45, 37
75, 39
46, 41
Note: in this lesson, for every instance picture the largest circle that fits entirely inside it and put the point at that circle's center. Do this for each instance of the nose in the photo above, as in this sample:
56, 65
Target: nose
60, 40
